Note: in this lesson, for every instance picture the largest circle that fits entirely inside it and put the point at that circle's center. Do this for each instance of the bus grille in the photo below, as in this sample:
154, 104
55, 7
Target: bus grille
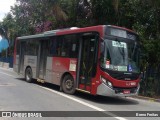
120, 90
124, 76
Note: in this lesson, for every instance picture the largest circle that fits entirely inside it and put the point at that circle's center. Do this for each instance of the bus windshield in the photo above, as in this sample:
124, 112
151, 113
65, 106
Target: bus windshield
118, 55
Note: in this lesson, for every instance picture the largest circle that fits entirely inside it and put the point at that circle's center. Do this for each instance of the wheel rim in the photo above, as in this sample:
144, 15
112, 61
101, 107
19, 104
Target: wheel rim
28, 75
69, 84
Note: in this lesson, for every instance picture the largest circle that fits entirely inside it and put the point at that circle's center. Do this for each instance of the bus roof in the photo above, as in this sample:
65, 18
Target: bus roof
69, 31
45, 34
59, 32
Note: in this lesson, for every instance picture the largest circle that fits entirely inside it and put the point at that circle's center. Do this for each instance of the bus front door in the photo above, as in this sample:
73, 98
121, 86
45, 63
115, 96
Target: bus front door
87, 61
42, 59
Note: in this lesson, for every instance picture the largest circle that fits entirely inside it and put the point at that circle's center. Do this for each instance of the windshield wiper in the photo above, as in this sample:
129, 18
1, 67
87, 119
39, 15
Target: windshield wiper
135, 46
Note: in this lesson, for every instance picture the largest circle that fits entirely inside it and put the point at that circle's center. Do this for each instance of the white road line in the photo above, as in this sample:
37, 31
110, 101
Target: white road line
7, 74
76, 100
83, 103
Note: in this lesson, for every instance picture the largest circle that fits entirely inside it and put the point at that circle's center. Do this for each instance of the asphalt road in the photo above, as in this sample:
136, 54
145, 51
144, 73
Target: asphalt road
18, 95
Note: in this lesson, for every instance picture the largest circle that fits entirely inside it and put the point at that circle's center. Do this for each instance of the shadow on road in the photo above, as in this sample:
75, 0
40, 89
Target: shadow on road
22, 79
97, 99
107, 100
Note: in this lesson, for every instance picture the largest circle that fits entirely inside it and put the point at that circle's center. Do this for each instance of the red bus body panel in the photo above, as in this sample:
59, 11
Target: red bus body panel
62, 65
82, 30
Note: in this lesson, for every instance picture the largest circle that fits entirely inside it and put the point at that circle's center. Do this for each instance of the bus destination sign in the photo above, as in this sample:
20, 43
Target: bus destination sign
120, 33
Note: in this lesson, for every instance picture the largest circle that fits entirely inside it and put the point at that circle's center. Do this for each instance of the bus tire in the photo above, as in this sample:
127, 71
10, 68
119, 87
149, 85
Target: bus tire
68, 84
28, 75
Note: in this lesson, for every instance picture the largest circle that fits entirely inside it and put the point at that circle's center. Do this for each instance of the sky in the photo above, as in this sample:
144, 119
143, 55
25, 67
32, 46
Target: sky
5, 7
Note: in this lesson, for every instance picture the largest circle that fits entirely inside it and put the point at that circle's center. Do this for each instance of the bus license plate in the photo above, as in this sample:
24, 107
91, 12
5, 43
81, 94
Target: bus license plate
126, 91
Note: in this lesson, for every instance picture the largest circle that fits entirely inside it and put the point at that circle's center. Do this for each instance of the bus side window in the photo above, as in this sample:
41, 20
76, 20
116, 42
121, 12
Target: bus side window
71, 46
31, 47
63, 46
52, 47
67, 46
59, 46
74, 47
17, 47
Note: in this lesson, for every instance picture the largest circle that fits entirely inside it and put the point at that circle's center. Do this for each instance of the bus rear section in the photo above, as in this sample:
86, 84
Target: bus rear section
99, 60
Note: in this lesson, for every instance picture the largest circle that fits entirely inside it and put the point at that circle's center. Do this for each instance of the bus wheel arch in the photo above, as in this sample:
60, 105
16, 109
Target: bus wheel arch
28, 74
67, 84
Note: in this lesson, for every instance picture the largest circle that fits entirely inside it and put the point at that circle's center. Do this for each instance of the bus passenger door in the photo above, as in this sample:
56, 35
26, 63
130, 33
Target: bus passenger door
88, 58
42, 59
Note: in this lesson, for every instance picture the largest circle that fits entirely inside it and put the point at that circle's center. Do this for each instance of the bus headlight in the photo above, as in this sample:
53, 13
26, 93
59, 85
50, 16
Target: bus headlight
103, 80
109, 84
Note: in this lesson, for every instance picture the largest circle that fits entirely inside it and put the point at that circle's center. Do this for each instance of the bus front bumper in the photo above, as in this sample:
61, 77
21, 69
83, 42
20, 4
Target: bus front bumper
104, 90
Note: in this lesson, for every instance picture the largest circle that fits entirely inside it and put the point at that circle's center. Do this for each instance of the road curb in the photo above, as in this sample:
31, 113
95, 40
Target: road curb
4, 65
147, 98
6, 68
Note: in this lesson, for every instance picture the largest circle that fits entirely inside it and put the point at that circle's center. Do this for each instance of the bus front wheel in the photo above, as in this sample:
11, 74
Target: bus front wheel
68, 84
28, 75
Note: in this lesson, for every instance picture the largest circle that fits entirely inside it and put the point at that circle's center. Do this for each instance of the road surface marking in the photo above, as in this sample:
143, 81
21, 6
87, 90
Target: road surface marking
7, 74
83, 103
6, 84
76, 100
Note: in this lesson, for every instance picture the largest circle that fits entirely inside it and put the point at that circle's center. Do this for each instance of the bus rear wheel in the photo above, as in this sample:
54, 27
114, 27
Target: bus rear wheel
28, 75
68, 84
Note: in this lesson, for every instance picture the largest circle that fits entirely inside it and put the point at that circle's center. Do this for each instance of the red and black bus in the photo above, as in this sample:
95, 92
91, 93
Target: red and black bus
100, 60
